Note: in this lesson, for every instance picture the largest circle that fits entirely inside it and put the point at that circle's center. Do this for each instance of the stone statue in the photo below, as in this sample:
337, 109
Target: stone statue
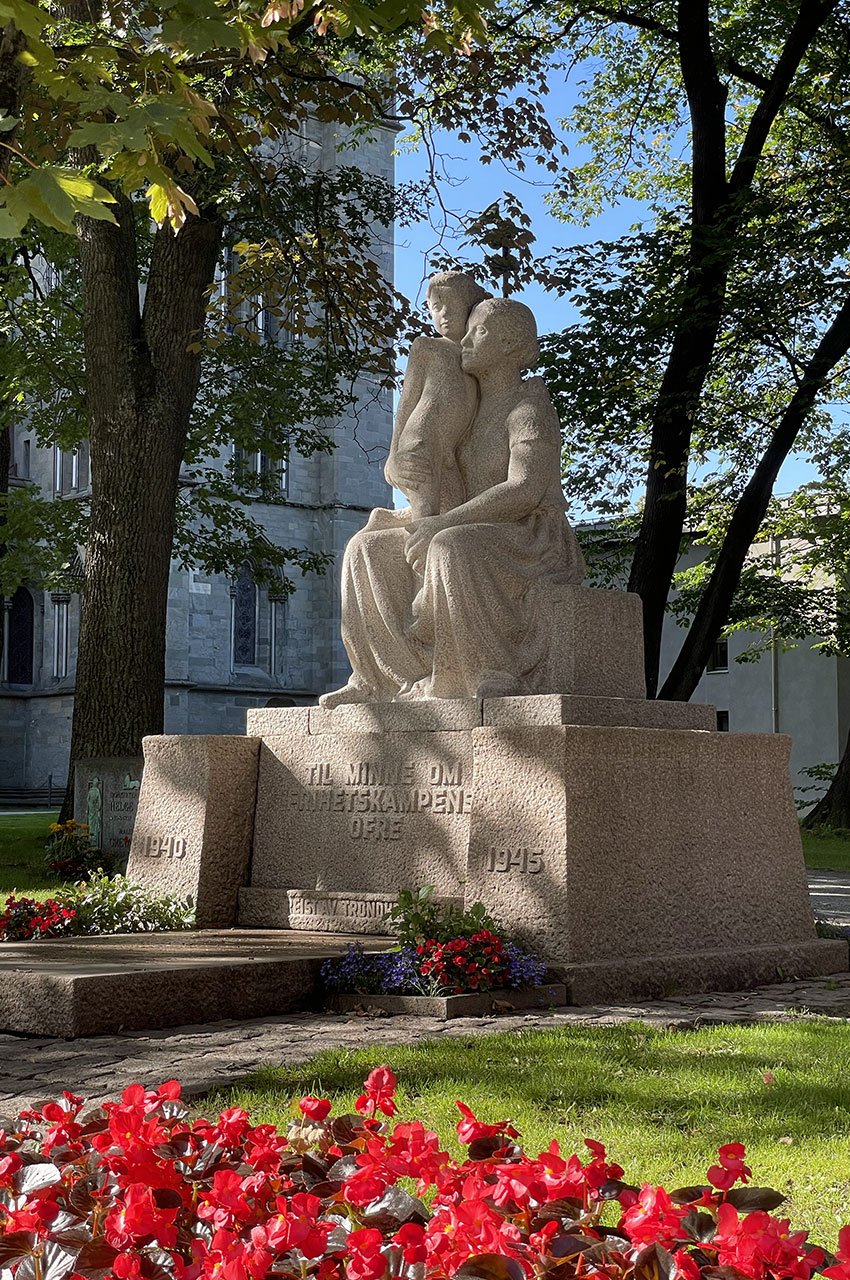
448, 605
437, 403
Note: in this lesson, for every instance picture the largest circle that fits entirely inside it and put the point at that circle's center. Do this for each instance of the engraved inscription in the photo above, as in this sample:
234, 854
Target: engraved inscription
375, 828
367, 787
320, 774
526, 860
346, 908
164, 847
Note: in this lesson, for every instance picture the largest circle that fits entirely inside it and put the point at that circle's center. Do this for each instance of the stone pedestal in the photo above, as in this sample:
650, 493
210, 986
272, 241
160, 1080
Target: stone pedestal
636, 849
625, 843
195, 821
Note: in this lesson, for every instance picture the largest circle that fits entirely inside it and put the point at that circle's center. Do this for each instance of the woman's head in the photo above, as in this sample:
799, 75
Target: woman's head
501, 331
451, 297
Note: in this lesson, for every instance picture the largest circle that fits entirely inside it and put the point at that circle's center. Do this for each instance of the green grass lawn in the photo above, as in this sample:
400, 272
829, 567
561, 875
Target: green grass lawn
22, 838
826, 853
662, 1101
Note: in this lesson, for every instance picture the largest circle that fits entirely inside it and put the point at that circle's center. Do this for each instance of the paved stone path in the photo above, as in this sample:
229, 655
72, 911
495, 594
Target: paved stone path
213, 1056
830, 895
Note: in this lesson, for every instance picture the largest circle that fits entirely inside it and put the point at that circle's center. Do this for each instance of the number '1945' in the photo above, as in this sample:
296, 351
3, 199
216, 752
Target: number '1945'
515, 860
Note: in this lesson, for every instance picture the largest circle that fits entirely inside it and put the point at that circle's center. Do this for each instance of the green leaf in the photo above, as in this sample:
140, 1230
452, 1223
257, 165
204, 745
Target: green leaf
86, 196
199, 34
53, 196
29, 18
158, 197
11, 223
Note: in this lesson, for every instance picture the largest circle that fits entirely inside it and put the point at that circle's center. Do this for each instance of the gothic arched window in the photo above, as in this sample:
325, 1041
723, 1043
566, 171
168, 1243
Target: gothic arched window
243, 595
20, 634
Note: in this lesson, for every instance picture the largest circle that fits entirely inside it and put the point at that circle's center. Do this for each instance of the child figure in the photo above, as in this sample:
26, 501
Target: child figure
437, 404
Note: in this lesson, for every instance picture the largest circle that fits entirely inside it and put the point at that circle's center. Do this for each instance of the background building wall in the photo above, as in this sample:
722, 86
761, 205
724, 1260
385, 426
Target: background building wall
299, 652
798, 691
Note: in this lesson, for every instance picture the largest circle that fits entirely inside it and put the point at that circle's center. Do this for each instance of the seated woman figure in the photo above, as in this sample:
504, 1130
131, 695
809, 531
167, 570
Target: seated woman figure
452, 605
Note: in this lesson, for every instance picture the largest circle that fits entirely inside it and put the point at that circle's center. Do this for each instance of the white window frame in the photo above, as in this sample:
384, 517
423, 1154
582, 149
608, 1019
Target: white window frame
61, 611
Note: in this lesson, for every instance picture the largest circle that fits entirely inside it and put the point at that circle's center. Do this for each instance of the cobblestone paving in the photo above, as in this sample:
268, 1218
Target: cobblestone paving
209, 1057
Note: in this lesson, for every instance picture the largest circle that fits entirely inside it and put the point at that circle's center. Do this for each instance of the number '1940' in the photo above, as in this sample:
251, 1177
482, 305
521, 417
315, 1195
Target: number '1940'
515, 860
165, 847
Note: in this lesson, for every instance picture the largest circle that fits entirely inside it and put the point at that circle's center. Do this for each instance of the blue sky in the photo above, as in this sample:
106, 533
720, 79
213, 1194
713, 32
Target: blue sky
474, 186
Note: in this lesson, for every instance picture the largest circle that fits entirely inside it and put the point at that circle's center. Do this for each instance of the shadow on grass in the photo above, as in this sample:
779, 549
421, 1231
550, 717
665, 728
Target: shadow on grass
787, 1077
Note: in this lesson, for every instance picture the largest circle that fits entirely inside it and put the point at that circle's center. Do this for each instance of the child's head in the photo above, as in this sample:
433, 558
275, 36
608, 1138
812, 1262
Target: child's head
451, 297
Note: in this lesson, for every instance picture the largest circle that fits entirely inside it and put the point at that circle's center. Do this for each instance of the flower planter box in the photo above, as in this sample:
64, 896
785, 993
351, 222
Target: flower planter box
470, 1005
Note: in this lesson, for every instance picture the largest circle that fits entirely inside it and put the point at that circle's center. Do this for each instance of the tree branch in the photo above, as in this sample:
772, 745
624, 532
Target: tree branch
810, 18
717, 599
707, 104
632, 19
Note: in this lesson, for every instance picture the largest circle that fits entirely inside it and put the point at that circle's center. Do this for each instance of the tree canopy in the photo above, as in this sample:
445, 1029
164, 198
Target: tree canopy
129, 91
714, 335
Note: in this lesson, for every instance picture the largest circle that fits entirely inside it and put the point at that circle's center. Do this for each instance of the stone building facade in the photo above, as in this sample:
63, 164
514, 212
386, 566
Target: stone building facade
231, 644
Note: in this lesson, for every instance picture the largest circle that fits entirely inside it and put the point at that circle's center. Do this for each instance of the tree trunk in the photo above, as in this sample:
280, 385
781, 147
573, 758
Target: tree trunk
13, 76
716, 213
833, 809
713, 610
141, 385
660, 536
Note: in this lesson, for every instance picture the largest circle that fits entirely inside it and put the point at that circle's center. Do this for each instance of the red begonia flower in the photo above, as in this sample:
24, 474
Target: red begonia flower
317, 1109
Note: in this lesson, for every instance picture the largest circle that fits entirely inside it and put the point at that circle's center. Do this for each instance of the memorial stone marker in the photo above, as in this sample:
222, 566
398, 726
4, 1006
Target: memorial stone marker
106, 797
494, 739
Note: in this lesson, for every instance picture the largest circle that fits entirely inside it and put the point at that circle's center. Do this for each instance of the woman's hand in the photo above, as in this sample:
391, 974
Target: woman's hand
419, 540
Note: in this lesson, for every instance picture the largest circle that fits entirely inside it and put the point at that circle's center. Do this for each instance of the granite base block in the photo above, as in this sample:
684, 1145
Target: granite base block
593, 843
195, 821
472, 1004
660, 977
366, 811
597, 647
131, 982
556, 709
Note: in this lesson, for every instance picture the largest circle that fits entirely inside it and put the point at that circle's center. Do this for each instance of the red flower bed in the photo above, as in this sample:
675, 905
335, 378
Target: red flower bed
477, 963
25, 918
133, 1189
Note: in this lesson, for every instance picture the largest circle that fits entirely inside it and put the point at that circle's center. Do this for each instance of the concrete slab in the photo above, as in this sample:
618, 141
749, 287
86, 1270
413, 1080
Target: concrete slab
89, 986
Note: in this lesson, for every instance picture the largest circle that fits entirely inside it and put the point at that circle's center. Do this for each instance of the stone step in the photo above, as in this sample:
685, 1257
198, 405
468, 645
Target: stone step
73, 987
